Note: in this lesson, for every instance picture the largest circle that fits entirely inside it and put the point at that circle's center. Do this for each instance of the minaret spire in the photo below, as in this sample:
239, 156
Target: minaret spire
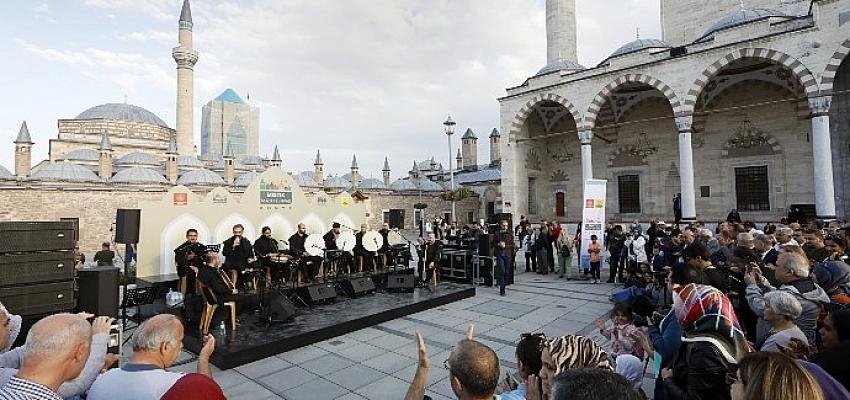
185, 56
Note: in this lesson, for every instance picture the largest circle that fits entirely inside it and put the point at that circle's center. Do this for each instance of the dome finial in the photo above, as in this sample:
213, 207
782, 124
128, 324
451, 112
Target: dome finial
742, 5
637, 33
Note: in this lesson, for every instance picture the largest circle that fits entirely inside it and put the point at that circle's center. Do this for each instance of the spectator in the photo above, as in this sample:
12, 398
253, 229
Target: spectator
631, 368
832, 389
58, 347
527, 241
528, 353
792, 271
815, 247
561, 354
697, 255
773, 376
784, 238
14, 326
780, 310
194, 387
104, 257
594, 250
566, 249
836, 346
834, 278
635, 252
156, 344
622, 332
592, 384
542, 248
616, 241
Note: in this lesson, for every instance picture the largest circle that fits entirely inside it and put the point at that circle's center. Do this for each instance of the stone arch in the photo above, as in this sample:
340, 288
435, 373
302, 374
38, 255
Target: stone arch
599, 101
803, 75
828, 78
764, 143
528, 108
622, 157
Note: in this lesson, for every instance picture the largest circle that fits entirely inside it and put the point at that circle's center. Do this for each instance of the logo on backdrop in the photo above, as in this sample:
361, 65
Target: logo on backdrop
180, 199
275, 192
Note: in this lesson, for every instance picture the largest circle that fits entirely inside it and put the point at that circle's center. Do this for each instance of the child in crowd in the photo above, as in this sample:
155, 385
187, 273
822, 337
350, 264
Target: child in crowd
622, 332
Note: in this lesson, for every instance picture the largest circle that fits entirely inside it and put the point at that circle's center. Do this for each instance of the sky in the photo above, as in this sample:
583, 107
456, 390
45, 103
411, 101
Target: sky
373, 78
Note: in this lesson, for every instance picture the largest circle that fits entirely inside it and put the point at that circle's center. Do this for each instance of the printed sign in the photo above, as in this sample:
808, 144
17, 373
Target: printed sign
180, 199
275, 192
593, 217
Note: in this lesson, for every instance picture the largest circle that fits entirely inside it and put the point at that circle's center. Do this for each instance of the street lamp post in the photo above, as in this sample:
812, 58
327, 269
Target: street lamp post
450, 129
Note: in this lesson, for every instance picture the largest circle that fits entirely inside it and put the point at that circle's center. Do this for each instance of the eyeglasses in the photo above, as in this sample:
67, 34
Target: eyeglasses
446, 365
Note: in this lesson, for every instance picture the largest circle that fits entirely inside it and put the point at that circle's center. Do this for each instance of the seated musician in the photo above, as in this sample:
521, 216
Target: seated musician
385, 251
429, 259
308, 265
361, 255
189, 254
453, 233
238, 254
267, 250
219, 289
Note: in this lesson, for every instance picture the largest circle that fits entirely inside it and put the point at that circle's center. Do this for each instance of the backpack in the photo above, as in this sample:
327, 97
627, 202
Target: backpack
565, 251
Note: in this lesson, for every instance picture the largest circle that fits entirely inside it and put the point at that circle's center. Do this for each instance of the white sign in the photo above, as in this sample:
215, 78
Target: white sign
593, 216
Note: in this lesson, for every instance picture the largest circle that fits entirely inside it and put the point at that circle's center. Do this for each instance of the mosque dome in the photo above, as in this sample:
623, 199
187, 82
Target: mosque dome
637, 45
372, 184
66, 172
305, 181
560, 65
138, 175
741, 17
403, 185
5, 174
186, 161
251, 161
202, 177
138, 158
336, 182
122, 112
428, 185
245, 179
82, 155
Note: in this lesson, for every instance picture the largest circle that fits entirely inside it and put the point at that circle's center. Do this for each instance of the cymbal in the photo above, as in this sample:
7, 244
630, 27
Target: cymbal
346, 241
394, 238
372, 241
314, 245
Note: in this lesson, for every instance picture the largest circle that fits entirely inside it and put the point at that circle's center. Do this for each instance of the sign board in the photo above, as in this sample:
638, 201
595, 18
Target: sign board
593, 216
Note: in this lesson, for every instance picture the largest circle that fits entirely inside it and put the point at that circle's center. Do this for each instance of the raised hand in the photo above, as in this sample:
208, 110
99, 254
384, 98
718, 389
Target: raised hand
209, 347
469, 331
101, 324
424, 361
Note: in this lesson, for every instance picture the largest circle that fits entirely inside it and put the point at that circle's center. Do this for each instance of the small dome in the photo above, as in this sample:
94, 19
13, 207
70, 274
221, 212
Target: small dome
139, 158
65, 171
202, 177
305, 181
637, 45
189, 161
741, 17
428, 185
5, 174
336, 182
403, 185
560, 65
245, 179
82, 155
122, 112
251, 160
138, 175
372, 184
211, 157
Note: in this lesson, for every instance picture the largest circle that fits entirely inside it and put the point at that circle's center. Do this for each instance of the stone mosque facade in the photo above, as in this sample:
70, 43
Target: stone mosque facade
740, 105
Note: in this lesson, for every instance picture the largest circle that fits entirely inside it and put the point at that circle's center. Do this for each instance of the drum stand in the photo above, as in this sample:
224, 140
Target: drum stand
293, 293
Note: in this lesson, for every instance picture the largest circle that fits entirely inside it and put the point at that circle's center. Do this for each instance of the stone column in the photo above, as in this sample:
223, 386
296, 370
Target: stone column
822, 155
584, 136
686, 168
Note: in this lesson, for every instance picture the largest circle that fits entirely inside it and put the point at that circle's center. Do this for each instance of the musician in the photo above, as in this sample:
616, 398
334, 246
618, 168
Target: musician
503, 249
267, 250
360, 251
330, 237
238, 254
308, 264
453, 233
385, 250
429, 259
189, 254
218, 286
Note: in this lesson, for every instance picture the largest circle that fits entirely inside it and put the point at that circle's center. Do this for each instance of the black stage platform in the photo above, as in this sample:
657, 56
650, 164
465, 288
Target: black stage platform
253, 340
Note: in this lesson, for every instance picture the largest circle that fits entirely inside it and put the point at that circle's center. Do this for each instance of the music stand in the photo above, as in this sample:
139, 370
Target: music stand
136, 297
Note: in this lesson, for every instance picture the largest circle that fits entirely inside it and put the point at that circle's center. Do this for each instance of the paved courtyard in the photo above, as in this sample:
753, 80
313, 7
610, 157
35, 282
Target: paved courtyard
379, 362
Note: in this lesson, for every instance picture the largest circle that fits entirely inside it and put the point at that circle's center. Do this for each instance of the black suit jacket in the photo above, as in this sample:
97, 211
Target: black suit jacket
214, 283
237, 257
330, 240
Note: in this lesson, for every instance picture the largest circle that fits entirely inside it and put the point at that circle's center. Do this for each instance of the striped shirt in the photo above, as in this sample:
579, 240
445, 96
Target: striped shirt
19, 389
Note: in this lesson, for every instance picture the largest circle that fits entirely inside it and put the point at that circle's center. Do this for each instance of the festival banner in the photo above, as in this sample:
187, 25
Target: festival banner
593, 216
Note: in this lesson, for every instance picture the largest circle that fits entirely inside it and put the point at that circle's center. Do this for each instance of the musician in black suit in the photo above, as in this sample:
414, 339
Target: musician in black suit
360, 251
267, 252
190, 253
308, 264
238, 254
429, 259
219, 288
385, 251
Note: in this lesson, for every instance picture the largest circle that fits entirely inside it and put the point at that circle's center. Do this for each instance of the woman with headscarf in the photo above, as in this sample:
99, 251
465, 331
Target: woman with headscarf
834, 278
562, 353
631, 368
835, 335
713, 341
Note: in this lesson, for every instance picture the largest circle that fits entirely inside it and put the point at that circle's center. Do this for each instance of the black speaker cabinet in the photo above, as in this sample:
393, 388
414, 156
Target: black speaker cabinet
485, 248
36, 267
127, 226
98, 291
322, 292
279, 308
358, 286
41, 298
36, 236
400, 282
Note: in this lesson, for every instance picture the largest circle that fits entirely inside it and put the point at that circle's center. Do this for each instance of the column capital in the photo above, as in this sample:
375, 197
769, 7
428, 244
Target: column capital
820, 105
585, 136
685, 123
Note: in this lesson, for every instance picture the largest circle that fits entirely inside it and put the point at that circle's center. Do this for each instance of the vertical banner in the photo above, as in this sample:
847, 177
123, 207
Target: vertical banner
593, 216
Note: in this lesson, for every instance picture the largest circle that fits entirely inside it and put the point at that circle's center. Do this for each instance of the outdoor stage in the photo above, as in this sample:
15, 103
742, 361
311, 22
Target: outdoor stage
254, 340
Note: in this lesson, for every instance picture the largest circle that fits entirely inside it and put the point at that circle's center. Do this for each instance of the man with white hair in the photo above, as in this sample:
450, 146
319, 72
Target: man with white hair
58, 347
784, 238
792, 272
156, 345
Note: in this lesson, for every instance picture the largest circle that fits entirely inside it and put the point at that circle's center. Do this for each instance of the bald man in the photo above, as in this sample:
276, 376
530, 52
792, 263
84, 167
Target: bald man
58, 347
308, 264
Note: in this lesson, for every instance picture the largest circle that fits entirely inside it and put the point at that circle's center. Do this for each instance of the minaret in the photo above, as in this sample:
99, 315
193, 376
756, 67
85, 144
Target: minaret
355, 172
495, 151
105, 164
386, 172
229, 168
318, 168
23, 152
414, 173
469, 144
459, 161
276, 160
560, 30
186, 57
171, 171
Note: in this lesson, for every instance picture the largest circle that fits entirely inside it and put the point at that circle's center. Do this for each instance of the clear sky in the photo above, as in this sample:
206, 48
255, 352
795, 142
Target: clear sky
371, 77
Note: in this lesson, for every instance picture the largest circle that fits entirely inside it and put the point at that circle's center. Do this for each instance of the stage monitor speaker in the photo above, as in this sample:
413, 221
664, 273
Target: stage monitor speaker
98, 291
485, 248
127, 226
357, 286
279, 308
400, 282
313, 294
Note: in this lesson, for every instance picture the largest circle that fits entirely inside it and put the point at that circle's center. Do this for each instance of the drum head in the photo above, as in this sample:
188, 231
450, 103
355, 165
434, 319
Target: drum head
314, 245
394, 238
346, 241
372, 241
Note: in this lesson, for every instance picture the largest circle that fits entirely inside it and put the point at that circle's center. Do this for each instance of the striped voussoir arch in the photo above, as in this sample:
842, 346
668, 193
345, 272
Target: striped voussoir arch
828, 78
803, 75
528, 108
597, 103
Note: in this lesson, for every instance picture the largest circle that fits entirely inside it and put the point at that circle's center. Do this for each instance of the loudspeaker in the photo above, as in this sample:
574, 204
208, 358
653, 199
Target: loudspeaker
400, 282
315, 293
279, 308
356, 286
98, 291
485, 248
127, 226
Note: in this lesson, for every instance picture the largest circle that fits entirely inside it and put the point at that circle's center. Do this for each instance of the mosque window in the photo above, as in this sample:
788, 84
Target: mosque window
628, 190
532, 196
559, 205
752, 191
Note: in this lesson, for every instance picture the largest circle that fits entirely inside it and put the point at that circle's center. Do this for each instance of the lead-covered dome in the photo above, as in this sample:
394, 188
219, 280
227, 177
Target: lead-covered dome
66, 172
138, 175
122, 112
560, 65
638, 45
403, 185
741, 17
428, 185
82, 155
245, 179
202, 177
372, 184
187, 161
138, 158
5, 174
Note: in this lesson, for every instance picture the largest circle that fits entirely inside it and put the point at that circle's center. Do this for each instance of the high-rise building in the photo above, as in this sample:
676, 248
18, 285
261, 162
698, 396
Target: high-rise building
226, 121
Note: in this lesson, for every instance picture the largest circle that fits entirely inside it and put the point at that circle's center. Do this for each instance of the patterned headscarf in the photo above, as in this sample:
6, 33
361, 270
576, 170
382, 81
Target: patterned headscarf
704, 309
573, 351
831, 274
